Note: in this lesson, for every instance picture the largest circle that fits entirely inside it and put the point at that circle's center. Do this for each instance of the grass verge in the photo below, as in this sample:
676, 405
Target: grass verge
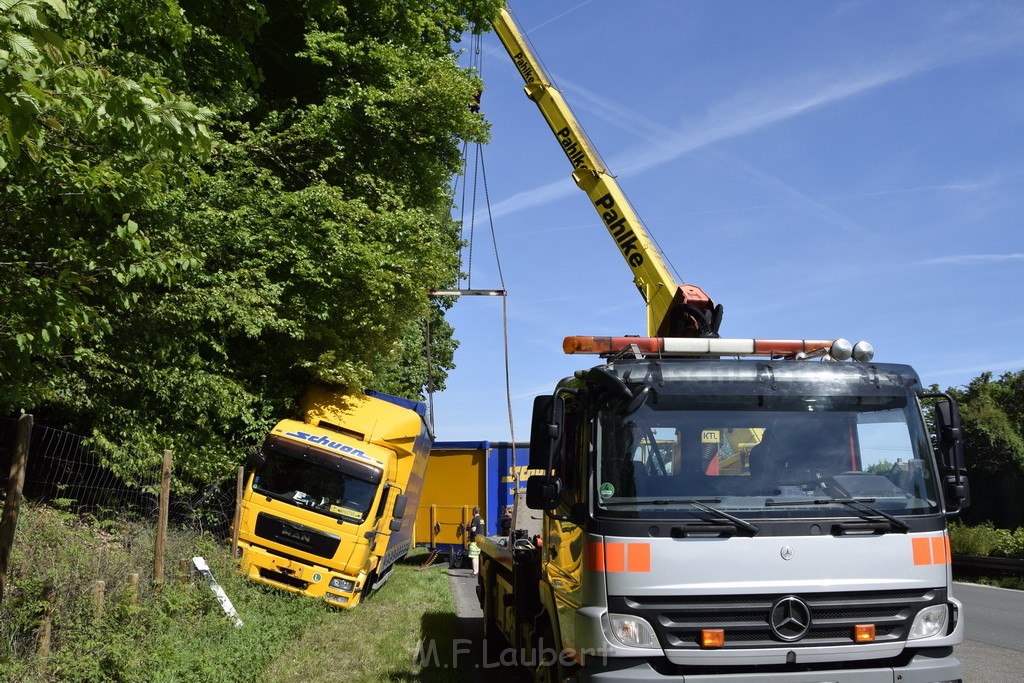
380, 640
178, 631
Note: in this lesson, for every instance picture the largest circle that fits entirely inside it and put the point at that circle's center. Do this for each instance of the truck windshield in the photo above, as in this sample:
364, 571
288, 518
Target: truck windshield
328, 484
761, 458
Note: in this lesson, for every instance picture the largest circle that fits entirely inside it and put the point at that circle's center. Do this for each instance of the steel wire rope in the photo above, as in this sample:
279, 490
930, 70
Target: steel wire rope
504, 328
476, 62
504, 306
480, 175
472, 215
462, 204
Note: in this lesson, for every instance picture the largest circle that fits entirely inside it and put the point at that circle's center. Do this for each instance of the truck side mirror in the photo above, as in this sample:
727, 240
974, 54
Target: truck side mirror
543, 492
395, 525
545, 432
950, 444
255, 459
401, 500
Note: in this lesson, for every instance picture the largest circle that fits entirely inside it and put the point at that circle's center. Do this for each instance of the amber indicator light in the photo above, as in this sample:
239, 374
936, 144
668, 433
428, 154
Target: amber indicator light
712, 637
864, 633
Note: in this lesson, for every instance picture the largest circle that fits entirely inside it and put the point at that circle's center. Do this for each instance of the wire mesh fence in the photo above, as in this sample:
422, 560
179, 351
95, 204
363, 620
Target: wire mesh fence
64, 471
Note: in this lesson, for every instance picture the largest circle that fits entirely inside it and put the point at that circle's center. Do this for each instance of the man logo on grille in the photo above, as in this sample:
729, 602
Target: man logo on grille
790, 618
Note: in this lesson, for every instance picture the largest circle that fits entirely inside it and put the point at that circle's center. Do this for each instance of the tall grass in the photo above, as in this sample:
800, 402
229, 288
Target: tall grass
178, 631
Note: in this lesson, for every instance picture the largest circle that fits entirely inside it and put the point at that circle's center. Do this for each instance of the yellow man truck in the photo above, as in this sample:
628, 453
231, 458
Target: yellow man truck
717, 509
330, 502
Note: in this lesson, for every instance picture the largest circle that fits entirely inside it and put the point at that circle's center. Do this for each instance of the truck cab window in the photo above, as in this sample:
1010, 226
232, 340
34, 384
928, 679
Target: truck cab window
304, 479
568, 466
753, 453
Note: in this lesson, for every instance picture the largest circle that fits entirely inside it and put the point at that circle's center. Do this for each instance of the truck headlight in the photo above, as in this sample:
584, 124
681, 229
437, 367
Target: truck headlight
632, 631
343, 585
928, 622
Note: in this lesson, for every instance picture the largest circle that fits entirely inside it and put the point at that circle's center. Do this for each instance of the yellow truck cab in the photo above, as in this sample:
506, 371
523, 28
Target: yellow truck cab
330, 502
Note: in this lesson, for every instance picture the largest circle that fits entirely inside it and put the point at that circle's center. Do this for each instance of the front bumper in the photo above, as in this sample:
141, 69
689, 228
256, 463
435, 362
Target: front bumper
295, 576
927, 666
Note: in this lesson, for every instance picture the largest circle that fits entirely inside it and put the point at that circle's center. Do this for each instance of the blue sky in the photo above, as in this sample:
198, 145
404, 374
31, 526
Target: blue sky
822, 169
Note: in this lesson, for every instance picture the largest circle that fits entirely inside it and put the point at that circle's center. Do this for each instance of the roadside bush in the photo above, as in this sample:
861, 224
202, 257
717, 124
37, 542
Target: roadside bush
985, 540
1011, 544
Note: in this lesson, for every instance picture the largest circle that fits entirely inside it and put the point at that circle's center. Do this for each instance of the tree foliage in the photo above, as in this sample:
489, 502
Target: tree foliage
993, 420
208, 206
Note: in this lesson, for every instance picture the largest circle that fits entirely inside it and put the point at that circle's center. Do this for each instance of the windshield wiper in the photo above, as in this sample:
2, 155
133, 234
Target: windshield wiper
751, 528
700, 504
865, 510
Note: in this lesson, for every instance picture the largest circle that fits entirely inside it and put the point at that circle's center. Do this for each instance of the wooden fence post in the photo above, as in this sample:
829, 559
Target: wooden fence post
239, 490
133, 588
46, 630
15, 485
99, 592
161, 523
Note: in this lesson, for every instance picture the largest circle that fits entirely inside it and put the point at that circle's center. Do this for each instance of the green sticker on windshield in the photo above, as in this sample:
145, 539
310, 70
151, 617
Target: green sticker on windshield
607, 490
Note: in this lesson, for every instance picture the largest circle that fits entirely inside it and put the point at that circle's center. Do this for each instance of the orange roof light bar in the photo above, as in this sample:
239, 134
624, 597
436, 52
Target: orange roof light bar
573, 345
690, 346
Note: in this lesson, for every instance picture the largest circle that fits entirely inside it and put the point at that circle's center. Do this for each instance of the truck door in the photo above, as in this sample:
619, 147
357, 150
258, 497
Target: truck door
563, 540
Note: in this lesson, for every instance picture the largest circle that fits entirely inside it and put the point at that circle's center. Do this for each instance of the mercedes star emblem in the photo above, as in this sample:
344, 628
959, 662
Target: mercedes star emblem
790, 618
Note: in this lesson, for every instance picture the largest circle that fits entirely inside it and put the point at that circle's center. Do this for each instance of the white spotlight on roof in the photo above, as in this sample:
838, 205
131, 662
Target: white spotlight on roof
863, 352
841, 350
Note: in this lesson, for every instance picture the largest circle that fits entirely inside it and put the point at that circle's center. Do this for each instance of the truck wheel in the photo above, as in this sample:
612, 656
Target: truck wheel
548, 660
370, 586
494, 639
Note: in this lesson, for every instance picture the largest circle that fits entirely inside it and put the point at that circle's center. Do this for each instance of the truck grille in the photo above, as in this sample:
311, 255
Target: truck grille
779, 620
283, 579
296, 535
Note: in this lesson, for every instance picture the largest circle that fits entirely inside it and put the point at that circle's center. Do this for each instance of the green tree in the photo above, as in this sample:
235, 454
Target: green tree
296, 243
993, 419
85, 155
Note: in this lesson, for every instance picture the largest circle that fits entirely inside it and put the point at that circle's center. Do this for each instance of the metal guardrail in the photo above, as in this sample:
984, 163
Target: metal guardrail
1000, 564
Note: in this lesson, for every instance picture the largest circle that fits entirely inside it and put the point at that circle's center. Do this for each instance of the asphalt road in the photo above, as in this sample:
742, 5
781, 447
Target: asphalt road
993, 651
477, 664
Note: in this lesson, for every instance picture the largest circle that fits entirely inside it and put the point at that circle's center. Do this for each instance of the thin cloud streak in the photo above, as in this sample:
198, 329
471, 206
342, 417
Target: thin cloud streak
971, 259
745, 113
731, 120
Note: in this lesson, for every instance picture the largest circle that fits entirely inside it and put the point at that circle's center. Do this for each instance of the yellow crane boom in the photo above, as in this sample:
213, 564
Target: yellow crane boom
672, 310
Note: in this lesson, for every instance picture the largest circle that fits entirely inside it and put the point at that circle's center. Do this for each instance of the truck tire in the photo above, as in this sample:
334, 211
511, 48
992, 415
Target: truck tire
494, 639
370, 586
548, 660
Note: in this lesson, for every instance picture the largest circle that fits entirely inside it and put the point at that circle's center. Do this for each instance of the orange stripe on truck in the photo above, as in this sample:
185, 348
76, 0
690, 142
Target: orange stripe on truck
595, 559
922, 550
939, 550
930, 550
615, 557
639, 557
619, 557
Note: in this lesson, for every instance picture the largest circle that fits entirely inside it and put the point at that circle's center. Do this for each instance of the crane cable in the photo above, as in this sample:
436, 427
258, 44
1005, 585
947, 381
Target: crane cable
478, 53
479, 176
